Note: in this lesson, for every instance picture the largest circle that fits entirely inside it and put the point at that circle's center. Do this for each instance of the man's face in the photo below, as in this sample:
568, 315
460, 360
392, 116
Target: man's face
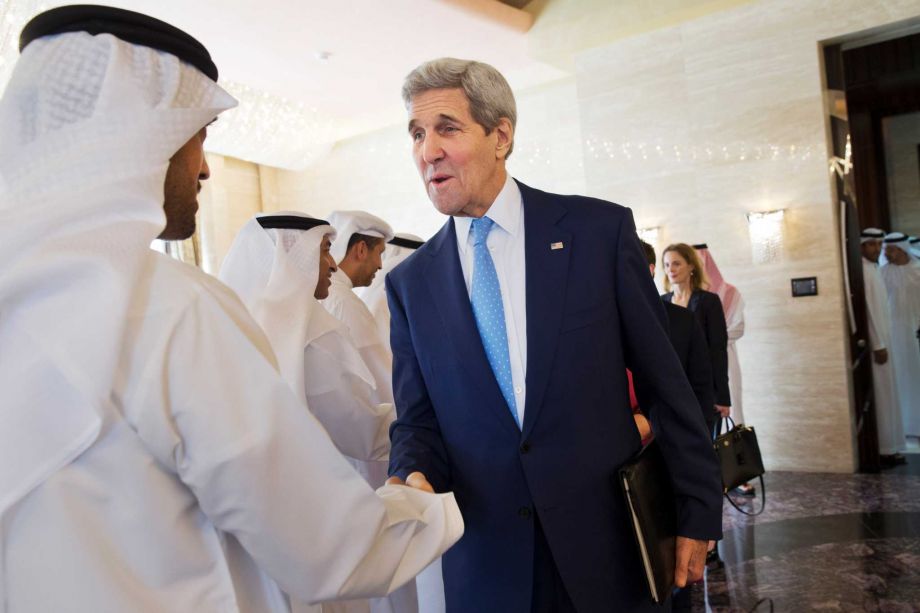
871, 250
462, 167
187, 169
372, 262
896, 256
326, 268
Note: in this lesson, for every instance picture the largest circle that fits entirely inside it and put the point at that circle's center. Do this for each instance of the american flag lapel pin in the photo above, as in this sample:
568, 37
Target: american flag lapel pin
555, 246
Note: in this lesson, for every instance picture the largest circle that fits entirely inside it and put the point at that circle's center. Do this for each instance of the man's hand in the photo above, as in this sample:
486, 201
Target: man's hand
645, 428
880, 356
416, 480
722, 410
691, 560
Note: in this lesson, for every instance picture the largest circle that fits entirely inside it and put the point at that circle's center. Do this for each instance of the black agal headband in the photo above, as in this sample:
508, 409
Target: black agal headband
290, 222
131, 27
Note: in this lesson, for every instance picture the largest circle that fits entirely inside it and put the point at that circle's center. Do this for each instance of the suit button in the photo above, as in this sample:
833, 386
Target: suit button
525, 447
525, 512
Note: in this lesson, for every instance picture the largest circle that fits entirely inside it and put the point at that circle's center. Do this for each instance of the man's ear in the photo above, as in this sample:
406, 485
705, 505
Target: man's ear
504, 133
361, 251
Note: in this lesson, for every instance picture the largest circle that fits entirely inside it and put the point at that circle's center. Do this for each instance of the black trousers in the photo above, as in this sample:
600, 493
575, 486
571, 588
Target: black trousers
549, 593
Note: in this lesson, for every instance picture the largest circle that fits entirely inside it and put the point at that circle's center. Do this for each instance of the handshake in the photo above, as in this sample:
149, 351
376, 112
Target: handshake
416, 480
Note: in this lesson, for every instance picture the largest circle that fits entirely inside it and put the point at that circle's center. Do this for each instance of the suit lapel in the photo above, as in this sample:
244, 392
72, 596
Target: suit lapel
546, 252
448, 290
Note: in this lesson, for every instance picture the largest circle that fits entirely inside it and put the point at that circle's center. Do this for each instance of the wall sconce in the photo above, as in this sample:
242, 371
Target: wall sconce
649, 235
766, 229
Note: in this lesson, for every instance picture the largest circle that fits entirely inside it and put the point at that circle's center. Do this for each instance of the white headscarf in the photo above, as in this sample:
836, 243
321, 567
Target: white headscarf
374, 295
871, 235
275, 272
87, 127
900, 241
902, 281
348, 223
728, 293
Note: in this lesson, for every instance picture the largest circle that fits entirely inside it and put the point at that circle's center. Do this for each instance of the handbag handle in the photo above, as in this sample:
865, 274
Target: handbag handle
763, 504
717, 431
769, 601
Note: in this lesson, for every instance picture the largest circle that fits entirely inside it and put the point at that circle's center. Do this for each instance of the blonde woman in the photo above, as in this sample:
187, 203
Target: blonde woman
684, 280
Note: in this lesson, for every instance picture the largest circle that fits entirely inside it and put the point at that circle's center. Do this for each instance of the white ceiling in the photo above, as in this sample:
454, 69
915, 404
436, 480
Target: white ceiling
271, 45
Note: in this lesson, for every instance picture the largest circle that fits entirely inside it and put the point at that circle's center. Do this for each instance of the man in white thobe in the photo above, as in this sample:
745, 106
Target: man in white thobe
280, 265
887, 405
900, 270
374, 296
358, 252
151, 456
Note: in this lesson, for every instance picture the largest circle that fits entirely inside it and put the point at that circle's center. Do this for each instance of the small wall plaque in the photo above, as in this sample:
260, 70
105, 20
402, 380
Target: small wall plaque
805, 286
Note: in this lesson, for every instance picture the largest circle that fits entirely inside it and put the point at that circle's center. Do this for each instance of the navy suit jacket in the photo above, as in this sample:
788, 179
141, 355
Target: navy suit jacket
592, 311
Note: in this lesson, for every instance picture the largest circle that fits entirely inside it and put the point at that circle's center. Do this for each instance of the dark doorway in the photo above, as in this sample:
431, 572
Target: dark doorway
874, 91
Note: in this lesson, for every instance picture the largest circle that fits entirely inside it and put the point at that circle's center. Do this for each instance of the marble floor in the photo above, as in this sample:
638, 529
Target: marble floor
826, 543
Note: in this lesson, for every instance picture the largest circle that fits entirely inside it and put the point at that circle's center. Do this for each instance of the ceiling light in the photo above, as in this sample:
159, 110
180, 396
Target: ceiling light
270, 130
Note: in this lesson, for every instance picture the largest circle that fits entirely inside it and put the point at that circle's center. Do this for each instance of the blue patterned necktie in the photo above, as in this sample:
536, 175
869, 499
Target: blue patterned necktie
486, 298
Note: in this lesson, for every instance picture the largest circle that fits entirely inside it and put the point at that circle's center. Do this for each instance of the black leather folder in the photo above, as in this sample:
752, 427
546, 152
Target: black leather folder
646, 484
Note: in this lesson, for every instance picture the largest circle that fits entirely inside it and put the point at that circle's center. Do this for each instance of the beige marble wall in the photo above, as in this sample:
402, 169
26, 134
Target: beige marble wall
564, 28
696, 124
902, 146
227, 201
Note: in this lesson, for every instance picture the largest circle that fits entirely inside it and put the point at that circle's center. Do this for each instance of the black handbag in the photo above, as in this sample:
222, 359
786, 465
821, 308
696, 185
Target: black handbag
740, 459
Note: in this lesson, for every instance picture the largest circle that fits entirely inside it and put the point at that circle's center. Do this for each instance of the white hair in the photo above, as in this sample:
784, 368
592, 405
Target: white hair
487, 91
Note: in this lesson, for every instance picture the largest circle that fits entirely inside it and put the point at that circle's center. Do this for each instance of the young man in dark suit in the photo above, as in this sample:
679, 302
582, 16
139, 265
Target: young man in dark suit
512, 329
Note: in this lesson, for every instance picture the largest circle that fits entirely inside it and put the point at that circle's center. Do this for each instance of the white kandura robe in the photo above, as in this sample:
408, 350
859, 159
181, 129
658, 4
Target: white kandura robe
375, 295
275, 272
347, 307
735, 328
343, 400
733, 307
903, 284
208, 474
888, 416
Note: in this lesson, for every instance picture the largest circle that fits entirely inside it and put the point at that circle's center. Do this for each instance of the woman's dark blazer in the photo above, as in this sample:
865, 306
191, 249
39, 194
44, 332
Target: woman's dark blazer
707, 308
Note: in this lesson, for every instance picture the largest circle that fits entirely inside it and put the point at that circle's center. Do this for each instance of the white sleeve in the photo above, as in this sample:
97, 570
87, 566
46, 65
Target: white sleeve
735, 325
343, 401
379, 361
875, 339
363, 332
876, 310
263, 469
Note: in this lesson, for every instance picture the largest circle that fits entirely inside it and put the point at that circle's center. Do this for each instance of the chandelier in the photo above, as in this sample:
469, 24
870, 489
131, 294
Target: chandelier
266, 129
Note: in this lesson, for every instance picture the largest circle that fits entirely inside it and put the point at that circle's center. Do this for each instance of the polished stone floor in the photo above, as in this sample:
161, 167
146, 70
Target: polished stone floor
824, 543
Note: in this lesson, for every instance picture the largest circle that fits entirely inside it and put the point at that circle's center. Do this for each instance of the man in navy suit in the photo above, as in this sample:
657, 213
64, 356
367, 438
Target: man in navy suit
512, 329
